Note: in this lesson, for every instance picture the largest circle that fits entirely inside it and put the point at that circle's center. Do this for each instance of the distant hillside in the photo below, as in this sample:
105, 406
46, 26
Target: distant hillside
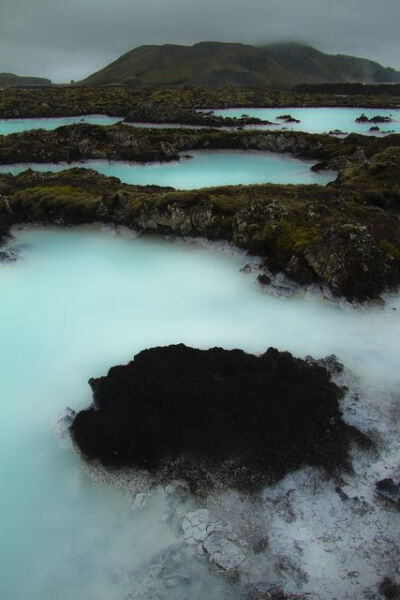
218, 64
11, 80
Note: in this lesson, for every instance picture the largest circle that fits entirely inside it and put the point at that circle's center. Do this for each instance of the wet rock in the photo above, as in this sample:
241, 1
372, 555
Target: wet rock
389, 490
288, 119
195, 526
389, 589
223, 552
246, 269
331, 363
175, 113
8, 256
351, 262
63, 423
264, 279
298, 270
376, 119
380, 119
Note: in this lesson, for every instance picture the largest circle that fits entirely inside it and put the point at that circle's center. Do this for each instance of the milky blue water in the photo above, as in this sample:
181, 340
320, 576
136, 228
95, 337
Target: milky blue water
8, 126
205, 169
79, 301
320, 120
313, 120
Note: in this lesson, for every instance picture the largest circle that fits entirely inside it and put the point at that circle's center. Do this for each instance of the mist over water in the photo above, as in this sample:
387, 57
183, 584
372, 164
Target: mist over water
78, 301
205, 168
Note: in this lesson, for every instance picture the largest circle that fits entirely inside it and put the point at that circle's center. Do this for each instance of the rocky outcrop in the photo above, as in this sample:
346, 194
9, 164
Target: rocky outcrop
376, 119
331, 236
121, 101
389, 490
378, 181
214, 418
172, 112
84, 141
121, 142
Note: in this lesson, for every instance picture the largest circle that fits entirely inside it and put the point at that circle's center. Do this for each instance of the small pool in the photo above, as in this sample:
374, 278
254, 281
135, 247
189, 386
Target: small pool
320, 120
205, 169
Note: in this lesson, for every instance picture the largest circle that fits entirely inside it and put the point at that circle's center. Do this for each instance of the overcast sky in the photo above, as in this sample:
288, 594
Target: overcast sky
69, 39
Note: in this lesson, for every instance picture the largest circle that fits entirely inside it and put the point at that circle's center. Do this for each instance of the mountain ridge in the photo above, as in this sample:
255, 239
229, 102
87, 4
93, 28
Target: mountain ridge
12, 80
219, 64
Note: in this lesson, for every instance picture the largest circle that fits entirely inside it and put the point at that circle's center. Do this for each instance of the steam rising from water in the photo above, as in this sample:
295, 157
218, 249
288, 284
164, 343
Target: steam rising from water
79, 301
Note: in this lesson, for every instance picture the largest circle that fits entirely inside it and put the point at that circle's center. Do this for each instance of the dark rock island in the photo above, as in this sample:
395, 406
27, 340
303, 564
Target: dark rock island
215, 417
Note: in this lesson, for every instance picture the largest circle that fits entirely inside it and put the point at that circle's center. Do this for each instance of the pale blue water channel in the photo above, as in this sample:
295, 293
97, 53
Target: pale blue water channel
78, 301
320, 120
312, 120
206, 168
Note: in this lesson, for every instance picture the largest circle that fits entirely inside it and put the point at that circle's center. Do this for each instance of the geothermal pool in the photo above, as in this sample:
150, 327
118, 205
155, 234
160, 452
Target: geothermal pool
319, 120
207, 168
78, 301
312, 120
8, 126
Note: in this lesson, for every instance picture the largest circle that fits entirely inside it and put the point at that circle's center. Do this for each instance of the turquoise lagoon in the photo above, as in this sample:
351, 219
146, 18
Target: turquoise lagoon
319, 120
205, 169
312, 120
78, 301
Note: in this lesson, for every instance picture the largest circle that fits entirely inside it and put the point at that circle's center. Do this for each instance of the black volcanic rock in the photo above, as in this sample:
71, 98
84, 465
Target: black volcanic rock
206, 415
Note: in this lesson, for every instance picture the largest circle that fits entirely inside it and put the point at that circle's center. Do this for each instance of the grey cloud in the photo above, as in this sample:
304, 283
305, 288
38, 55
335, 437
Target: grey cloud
70, 39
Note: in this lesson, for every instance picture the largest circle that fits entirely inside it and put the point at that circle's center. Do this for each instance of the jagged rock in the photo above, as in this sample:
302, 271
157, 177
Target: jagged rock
330, 363
350, 261
288, 119
174, 113
8, 256
63, 423
223, 552
246, 269
389, 490
389, 589
264, 279
380, 119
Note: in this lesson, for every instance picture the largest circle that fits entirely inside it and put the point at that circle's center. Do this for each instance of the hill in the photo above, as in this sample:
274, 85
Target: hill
10, 80
219, 64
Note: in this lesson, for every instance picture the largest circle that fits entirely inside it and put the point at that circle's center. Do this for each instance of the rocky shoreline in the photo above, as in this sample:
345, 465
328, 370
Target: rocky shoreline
84, 141
120, 101
120, 142
344, 237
